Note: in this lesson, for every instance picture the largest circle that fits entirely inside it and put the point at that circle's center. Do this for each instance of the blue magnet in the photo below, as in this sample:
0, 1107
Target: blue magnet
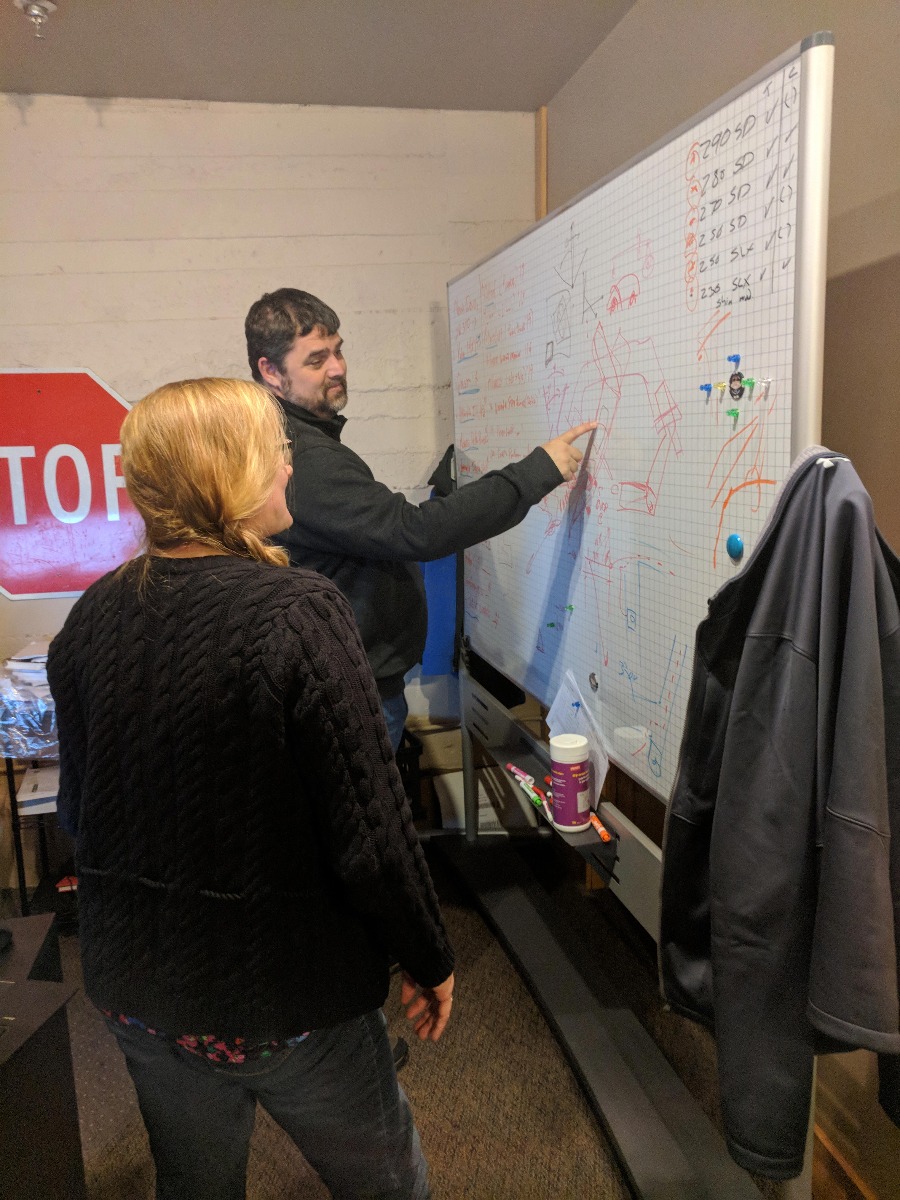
735, 547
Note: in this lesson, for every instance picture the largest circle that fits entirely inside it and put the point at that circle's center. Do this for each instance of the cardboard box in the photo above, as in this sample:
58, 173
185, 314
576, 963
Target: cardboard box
441, 750
38, 791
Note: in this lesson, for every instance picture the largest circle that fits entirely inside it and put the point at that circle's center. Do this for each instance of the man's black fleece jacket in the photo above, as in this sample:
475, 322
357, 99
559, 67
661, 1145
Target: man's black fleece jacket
369, 540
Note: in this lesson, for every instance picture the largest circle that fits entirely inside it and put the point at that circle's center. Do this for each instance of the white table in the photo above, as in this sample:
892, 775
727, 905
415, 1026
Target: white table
28, 734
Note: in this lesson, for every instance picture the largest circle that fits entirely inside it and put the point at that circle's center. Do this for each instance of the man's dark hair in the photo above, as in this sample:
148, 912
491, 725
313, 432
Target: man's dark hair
277, 318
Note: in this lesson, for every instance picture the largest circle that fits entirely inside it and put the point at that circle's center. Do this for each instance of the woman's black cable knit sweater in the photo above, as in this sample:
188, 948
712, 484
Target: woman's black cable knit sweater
246, 855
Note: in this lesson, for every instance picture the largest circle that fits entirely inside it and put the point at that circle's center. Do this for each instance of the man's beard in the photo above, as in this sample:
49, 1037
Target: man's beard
335, 397
329, 403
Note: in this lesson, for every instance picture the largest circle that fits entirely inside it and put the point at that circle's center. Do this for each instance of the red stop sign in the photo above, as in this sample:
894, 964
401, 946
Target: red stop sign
65, 517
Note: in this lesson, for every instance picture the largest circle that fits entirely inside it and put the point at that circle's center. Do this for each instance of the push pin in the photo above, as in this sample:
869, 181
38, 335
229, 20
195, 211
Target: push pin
735, 547
706, 387
736, 359
764, 386
720, 387
736, 385
734, 413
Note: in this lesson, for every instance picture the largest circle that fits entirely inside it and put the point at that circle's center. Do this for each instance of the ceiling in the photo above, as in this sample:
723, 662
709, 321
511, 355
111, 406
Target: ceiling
501, 55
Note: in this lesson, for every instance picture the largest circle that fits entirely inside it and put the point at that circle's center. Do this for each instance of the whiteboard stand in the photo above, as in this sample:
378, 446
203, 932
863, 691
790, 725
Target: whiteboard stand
667, 1147
680, 302
801, 1187
816, 89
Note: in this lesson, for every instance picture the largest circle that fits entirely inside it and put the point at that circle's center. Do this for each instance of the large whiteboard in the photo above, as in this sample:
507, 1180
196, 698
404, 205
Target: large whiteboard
639, 305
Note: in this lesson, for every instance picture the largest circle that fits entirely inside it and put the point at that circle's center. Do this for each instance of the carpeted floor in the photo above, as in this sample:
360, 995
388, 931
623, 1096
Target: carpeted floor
498, 1109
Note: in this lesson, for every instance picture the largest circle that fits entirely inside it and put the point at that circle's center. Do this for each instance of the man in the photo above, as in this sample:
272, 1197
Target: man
352, 528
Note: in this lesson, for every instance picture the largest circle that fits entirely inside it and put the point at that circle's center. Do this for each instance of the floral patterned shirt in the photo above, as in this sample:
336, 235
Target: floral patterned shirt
211, 1047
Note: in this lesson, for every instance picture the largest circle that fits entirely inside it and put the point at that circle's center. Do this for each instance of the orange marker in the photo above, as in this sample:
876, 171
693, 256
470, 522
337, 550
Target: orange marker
605, 835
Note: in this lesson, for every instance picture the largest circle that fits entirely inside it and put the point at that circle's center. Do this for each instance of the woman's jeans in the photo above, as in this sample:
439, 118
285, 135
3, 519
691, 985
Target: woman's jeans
335, 1094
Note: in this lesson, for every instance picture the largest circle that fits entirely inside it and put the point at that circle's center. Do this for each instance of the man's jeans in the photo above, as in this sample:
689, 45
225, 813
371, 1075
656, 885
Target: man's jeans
395, 712
335, 1094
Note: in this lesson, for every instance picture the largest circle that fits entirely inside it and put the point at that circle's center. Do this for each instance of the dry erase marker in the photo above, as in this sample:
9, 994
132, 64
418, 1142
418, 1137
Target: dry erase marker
529, 792
519, 773
605, 835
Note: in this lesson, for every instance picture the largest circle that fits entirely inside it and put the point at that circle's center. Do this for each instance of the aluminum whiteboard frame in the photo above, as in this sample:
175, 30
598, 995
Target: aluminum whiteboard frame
814, 140
816, 87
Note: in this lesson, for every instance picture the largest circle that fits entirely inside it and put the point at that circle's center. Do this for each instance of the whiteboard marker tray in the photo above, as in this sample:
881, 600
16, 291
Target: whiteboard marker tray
502, 808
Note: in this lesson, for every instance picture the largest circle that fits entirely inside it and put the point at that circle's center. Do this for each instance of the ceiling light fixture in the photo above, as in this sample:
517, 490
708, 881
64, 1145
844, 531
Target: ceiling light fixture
37, 12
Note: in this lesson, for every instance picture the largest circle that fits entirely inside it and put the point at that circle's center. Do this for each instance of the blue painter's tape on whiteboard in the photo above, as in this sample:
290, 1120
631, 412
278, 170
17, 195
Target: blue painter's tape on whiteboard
735, 547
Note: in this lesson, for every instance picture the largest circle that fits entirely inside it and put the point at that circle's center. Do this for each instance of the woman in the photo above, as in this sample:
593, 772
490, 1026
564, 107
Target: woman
247, 863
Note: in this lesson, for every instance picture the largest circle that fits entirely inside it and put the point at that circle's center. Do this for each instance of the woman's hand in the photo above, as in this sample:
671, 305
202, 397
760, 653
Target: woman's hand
427, 1008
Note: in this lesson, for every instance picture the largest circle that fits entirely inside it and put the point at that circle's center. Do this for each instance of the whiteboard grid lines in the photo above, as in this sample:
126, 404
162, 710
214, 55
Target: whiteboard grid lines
622, 309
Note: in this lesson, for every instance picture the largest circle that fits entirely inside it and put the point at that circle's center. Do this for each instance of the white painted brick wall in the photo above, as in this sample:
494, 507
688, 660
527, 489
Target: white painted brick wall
135, 234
